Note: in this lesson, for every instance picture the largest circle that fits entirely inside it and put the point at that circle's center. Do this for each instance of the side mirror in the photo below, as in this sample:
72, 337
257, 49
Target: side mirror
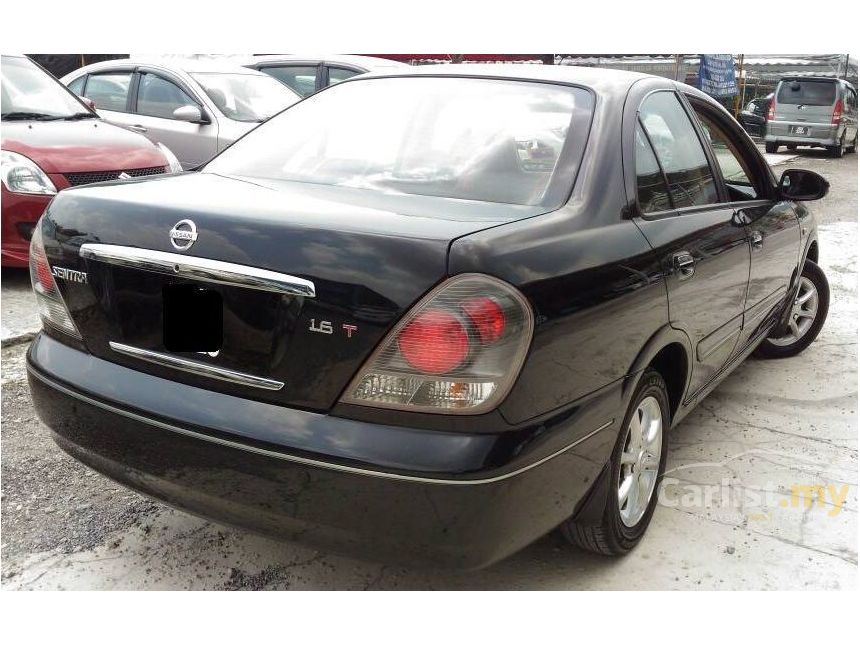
190, 113
802, 185
88, 102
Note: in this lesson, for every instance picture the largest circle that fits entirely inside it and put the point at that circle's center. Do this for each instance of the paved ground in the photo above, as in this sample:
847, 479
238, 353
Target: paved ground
732, 515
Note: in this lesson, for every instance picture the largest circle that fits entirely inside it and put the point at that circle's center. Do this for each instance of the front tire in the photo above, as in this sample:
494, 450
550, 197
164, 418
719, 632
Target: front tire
635, 470
808, 314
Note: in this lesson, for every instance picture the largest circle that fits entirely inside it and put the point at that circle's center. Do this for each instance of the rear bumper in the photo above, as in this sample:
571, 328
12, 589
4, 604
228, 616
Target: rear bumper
820, 134
423, 499
20, 213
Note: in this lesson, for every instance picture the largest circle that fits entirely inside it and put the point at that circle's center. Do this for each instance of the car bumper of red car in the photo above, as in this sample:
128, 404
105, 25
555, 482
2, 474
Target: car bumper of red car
19, 216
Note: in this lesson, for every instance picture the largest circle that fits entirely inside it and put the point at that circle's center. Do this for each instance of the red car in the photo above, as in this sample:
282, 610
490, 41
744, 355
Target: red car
51, 140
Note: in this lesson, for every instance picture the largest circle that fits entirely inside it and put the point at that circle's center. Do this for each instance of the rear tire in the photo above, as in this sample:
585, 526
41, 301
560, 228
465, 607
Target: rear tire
838, 151
635, 468
792, 147
808, 315
771, 147
853, 146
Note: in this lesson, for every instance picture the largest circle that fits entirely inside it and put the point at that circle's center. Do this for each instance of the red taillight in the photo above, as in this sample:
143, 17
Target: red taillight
771, 108
434, 342
837, 113
43, 272
488, 318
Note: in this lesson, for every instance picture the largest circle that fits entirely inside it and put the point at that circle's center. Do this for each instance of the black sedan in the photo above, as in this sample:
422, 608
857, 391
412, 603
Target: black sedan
754, 116
425, 316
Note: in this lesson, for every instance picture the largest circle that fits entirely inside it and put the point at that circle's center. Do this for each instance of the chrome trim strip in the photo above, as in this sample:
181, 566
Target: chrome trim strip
195, 268
195, 367
303, 460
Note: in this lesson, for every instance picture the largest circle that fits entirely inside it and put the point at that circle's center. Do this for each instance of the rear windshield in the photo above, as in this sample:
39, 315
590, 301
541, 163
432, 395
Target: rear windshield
807, 92
476, 139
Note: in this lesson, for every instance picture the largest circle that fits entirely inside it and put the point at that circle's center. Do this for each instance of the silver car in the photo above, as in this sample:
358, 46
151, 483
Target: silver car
194, 107
309, 74
810, 111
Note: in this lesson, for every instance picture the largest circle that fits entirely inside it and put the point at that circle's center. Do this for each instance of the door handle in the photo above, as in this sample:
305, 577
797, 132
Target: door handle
685, 264
756, 240
137, 128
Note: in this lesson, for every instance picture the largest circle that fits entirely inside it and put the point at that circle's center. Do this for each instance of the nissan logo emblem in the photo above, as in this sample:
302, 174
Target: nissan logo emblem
183, 235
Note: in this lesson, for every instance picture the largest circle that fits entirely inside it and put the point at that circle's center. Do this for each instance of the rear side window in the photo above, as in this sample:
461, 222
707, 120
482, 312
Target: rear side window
301, 78
109, 91
807, 93
650, 185
338, 74
678, 150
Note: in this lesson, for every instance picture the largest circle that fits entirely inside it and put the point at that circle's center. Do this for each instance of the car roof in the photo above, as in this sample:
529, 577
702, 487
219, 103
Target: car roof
831, 79
570, 74
354, 60
176, 64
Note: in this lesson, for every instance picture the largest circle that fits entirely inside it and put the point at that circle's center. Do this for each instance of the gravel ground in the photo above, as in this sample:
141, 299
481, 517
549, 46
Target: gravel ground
771, 425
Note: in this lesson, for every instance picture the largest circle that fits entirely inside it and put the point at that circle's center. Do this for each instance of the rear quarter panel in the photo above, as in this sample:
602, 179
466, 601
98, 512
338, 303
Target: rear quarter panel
597, 291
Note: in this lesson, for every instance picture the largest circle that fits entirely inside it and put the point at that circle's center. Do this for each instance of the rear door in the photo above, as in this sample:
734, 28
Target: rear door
804, 108
703, 250
771, 224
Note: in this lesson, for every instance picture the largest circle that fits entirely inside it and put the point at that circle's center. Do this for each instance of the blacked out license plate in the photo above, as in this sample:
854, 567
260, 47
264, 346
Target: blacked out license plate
193, 318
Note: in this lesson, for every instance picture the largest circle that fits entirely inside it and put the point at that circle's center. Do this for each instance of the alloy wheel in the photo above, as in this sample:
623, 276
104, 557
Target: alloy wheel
640, 461
803, 313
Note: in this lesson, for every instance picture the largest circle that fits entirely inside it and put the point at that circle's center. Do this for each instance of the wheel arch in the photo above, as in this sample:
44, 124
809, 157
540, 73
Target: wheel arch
812, 251
668, 351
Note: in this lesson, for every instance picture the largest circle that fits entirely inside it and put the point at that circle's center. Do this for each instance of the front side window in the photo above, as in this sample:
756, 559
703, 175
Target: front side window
246, 97
109, 91
159, 97
476, 139
301, 78
735, 169
77, 85
679, 150
650, 184
807, 93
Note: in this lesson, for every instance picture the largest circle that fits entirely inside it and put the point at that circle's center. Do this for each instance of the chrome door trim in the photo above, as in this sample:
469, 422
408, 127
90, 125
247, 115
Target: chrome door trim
196, 367
196, 268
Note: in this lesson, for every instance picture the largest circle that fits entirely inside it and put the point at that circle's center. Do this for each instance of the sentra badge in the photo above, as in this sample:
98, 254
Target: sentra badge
69, 274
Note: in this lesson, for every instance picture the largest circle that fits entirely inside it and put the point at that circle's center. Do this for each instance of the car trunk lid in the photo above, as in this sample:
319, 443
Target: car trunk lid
368, 257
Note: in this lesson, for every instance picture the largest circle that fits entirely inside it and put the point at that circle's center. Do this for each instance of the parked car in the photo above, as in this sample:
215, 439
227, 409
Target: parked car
810, 111
196, 107
309, 74
428, 315
52, 140
754, 116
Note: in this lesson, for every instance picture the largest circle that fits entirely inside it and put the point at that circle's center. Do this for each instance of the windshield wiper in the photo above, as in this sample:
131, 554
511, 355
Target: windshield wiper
25, 116
77, 116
